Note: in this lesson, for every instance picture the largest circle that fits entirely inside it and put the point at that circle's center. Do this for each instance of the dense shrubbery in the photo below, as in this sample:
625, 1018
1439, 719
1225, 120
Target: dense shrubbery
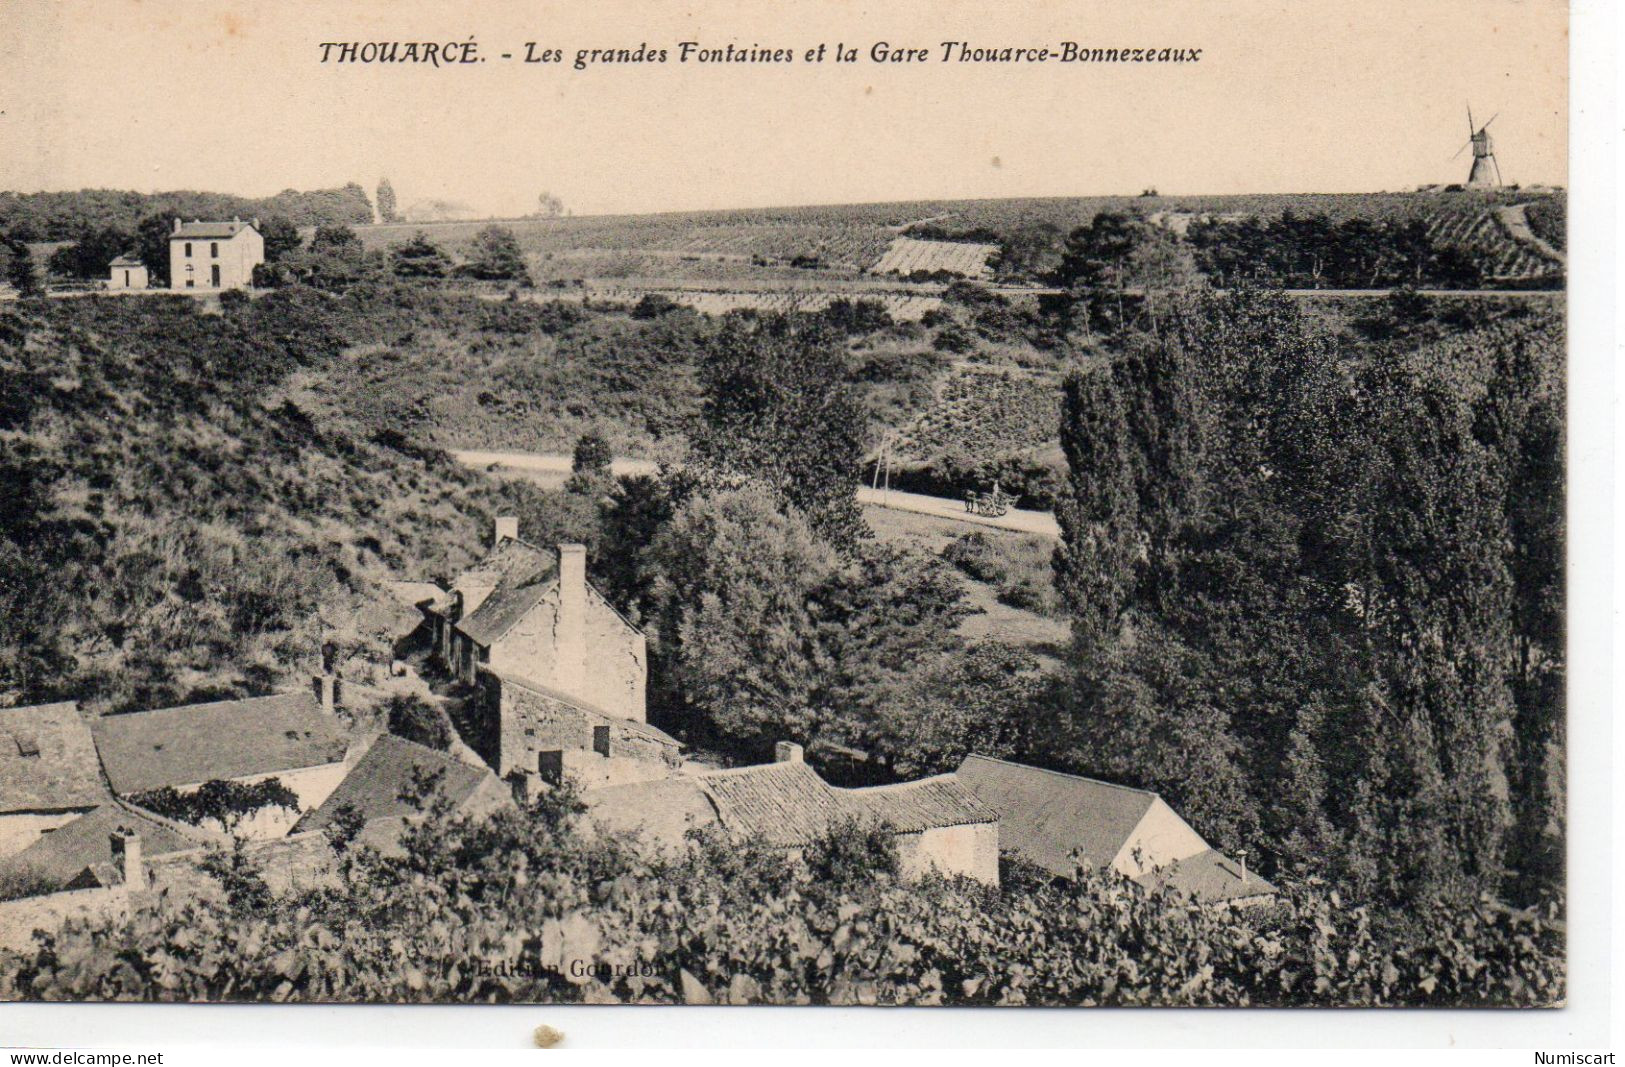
180, 506
1317, 599
1016, 565
226, 803
65, 216
523, 907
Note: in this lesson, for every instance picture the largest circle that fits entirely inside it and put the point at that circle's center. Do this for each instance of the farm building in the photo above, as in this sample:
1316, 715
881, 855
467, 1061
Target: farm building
936, 823
560, 672
533, 616
48, 772
214, 255
98, 849
126, 272
1064, 822
377, 788
291, 737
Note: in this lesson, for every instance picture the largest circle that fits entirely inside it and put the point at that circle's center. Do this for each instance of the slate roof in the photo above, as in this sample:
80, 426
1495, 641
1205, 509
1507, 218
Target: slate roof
191, 231
1045, 815
663, 810
224, 739
1209, 876
511, 561
67, 851
374, 785
47, 760
126, 261
498, 613
926, 804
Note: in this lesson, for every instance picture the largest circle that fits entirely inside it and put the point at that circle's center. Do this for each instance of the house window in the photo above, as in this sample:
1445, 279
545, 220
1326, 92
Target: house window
214, 249
126, 279
214, 275
190, 283
188, 249
600, 740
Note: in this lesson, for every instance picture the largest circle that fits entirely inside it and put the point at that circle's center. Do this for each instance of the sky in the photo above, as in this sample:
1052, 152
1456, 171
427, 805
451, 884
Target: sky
1301, 96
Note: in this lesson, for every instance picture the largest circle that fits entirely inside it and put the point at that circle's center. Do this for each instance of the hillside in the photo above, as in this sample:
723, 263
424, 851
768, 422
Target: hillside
179, 521
822, 244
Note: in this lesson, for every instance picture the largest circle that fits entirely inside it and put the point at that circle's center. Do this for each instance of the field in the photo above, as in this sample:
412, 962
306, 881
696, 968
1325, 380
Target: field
811, 248
985, 411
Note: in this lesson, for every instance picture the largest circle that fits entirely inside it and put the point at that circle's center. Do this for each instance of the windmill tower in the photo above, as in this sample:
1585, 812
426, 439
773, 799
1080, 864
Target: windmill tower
1486, 172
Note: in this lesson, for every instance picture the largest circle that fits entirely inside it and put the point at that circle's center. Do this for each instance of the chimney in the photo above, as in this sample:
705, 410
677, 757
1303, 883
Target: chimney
787, 752
255, 222
177, 227
1241, 854
126, 848
570, 631
527, 786
507, 528
326, 687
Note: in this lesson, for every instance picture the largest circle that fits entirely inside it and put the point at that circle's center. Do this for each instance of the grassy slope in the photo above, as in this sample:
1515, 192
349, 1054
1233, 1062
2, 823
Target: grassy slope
177, 522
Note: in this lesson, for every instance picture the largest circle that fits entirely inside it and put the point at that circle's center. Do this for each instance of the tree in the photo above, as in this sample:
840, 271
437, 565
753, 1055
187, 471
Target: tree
386, 202
90, 254
335, 239
152, 247
592, 455
419, 257
549, 206
1098, 513
20, 271
778, 411
735, 620
494, 255
281, 237
416, 719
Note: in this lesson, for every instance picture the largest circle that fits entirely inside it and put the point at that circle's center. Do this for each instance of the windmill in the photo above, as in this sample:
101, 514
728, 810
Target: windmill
1483, 154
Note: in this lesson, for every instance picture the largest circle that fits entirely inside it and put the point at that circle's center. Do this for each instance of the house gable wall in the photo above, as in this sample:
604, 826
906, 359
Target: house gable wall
612, 677
1160, 838
971, 850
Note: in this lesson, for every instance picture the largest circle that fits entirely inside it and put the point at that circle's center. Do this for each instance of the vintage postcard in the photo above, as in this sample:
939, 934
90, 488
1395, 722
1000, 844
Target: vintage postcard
1043, 504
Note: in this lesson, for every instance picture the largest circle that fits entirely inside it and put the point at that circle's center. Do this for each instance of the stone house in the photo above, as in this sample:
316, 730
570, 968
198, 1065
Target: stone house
1061, 822
936, 823
558, 674
48, 772
541, 735
214, 255
127, 272
292, 737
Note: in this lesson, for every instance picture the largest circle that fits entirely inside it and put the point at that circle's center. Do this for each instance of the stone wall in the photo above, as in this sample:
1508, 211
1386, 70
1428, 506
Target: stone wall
20, 918
528, 721
615, 657
971, 850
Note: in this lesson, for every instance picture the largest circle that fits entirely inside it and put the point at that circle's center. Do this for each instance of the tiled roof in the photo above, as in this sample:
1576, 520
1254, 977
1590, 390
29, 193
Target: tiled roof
47, 760
926, 804
1209, 876
374, 786
510, 561
225, 739
68, 850
780, 805
190, 231
1044, 816
506, 605
662, 810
